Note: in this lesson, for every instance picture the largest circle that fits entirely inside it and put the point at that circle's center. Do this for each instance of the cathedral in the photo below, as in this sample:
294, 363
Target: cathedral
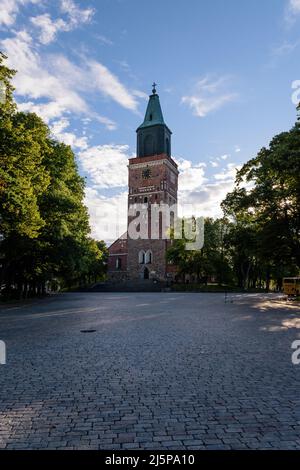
152, 181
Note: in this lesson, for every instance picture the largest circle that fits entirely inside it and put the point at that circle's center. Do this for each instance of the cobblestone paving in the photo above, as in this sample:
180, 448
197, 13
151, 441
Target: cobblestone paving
162, 371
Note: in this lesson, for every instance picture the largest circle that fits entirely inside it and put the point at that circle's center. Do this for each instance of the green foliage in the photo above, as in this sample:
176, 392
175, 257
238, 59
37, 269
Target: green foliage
265, 212
22, 174
44, 223
258, 240
209, 262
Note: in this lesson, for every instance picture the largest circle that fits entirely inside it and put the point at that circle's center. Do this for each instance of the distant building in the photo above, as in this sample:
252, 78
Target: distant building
117, 259
152, 179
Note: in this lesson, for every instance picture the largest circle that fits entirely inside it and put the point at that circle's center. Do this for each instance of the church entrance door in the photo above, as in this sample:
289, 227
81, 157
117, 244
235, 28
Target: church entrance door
146, 273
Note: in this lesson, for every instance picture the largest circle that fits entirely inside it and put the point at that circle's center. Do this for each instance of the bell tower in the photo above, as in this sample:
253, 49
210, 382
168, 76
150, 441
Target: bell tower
152, 180
153, 135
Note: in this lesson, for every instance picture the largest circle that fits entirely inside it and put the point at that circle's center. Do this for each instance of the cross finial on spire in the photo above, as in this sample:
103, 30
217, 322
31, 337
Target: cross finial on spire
154, 85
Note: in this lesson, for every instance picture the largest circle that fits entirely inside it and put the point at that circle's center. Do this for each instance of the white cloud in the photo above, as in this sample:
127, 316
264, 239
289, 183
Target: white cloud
59, 126
203, 106
284, 48
183, 164
219, 160
191, 179
47, 111
106, 165
206, 200
109, 124
209, 95
202, 194
109, 85
49, 27
292, 11
228, 173
34, 80
294, 6
103, 40
108, 215
191, 176
76, 14
60, 81
69, 138
195, 188
9, 10
140, 94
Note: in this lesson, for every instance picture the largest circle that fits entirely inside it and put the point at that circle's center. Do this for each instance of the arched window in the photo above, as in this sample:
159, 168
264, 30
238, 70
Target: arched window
148, 257
145, 200
149, 145
142, 257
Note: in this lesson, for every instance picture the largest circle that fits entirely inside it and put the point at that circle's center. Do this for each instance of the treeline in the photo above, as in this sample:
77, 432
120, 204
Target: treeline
257, 242
44, 225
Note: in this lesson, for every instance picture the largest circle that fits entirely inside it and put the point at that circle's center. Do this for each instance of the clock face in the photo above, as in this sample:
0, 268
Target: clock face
146, 174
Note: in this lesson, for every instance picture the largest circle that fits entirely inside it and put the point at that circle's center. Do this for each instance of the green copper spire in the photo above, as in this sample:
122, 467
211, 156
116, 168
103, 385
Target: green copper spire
153, 135
154, 115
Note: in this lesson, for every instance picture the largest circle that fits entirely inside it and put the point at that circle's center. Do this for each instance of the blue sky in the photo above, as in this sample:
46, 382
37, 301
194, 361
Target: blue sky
225, 72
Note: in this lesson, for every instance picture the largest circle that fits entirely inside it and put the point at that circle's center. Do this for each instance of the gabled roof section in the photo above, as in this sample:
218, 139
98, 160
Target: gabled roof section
123, 237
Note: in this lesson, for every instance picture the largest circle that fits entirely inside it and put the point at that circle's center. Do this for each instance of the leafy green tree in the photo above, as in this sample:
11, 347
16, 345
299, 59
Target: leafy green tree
23, 178
209, 262
265, 210
44, 222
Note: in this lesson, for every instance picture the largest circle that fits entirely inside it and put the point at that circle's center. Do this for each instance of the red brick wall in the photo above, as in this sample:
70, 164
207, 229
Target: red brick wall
117, 250
160, 187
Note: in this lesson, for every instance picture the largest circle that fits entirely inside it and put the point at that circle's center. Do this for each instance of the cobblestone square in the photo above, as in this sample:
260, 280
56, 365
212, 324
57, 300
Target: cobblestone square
161, 371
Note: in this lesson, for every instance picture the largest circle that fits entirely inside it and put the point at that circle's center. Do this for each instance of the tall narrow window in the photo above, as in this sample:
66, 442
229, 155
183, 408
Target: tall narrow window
148, 257
142, 257
118, 263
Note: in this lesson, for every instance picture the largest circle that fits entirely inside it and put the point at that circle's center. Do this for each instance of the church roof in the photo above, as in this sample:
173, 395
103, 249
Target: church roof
154, 115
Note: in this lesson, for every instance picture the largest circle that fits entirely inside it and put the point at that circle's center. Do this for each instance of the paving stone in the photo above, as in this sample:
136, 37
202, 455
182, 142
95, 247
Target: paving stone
198, 374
